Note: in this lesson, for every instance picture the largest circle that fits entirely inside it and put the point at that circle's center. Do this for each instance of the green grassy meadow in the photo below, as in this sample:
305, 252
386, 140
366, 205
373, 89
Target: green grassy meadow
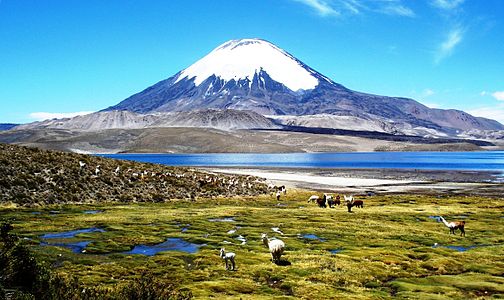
383, 250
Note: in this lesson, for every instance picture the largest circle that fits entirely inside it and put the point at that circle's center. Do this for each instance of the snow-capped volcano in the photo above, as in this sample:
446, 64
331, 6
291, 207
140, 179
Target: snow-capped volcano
255, 75
245, 59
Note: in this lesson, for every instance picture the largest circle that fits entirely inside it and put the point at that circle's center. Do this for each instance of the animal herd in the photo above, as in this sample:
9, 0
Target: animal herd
331, 201
277, 247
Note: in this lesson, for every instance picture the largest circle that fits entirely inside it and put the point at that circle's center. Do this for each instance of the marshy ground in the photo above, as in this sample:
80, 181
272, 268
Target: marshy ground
394, 246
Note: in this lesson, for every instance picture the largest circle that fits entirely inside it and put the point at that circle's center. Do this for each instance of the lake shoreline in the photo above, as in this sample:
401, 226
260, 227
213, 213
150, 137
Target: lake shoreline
488, 183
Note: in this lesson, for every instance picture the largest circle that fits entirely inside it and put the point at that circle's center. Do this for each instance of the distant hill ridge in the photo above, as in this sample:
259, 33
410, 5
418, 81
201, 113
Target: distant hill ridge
209, 118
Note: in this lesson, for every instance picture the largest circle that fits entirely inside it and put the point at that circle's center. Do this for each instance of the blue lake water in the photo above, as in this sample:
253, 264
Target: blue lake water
471, 161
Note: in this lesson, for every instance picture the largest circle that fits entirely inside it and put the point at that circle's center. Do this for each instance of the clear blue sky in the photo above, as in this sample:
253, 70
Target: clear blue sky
60, 56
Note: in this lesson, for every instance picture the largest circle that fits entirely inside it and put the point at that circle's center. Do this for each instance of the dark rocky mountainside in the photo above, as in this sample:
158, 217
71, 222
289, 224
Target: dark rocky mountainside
7, 126
31, 176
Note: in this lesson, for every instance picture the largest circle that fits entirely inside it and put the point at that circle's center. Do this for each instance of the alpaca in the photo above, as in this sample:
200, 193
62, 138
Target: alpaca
454, 226
321, 202
348, 199
116, 172
276, 247
313, 198
229, 258
278, 193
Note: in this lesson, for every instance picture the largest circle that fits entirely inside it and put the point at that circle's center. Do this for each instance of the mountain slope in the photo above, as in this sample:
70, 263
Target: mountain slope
253, 74
220, 119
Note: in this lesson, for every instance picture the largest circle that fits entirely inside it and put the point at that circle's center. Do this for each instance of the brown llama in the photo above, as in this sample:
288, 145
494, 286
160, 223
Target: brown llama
453, 226
358, 203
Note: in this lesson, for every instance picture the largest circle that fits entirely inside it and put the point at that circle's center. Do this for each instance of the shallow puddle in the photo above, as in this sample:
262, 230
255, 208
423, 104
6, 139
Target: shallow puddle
459, 248
229, 219
311, 237
77, 247
335, 251
242, 239
70, 234
92, 212
171, 244
437, 218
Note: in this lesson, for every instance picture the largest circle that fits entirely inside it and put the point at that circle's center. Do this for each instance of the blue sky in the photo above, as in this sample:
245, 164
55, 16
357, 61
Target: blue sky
60, 56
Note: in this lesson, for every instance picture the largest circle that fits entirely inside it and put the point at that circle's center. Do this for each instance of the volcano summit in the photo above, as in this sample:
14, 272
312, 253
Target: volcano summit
254, 74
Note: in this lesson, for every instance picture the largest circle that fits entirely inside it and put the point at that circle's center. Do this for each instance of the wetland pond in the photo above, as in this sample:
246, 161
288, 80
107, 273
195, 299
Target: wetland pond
171, 244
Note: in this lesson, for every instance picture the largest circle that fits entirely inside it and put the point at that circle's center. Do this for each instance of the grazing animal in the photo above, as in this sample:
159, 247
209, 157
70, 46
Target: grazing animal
460, 225
348, 199
276, 247
278, 195
330, 200
116, 172
349, 205
277, 230
358, 203
352, 203
229, 258
97, 170
283, 189
321, 202
338, 200
82, 164
313, 198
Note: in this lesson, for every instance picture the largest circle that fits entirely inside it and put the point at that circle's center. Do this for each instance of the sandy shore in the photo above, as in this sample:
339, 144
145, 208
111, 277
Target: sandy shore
378, 181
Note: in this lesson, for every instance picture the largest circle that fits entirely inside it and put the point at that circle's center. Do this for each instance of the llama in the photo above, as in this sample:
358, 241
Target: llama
330, 200
338, 200
82, 164
321, 202
277, 230
358, 203
116, 172
97, 170
313, 198
454, 226
283, 189
276, 247
348, 199
229, 259
278, 193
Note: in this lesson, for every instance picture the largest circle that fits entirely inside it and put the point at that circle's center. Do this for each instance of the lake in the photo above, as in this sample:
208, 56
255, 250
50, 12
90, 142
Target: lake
475, 161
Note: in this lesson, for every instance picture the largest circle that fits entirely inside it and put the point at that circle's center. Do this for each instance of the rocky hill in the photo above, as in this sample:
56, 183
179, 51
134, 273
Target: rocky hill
31, 176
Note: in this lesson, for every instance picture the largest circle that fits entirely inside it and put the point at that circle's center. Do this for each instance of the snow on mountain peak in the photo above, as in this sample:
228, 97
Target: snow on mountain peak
243, 58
